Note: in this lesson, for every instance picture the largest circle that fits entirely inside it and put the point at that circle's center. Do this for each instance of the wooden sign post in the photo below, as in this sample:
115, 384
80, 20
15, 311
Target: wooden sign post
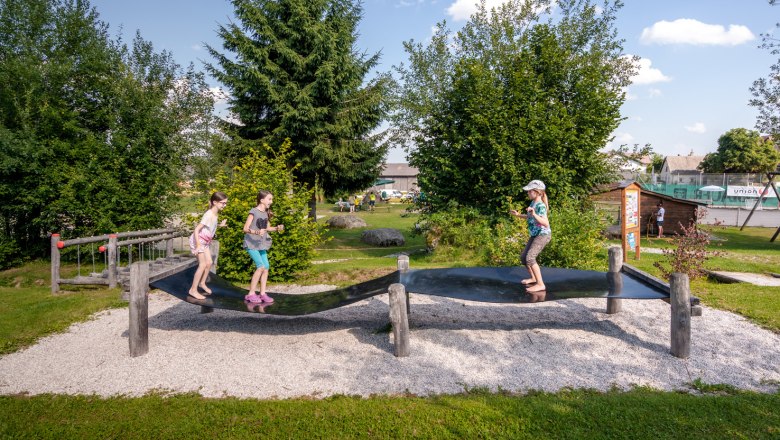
629, 227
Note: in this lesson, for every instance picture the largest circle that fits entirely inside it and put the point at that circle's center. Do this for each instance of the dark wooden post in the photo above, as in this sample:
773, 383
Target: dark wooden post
112, 270
214, 248
615, 305
681, 315
139, 309
403, 266
55, 263
399, 319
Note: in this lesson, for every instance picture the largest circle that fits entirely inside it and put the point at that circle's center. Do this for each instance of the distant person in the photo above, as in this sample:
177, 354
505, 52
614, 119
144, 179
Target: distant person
257, 242
371, 200
659, 218
342, 203
540, 233
351, 203
199, 243
358, 201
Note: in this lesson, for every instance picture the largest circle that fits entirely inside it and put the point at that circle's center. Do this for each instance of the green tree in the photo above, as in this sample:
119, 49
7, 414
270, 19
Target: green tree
93, 132
511, 98
295, 74
742, 151
265, 168
766, 91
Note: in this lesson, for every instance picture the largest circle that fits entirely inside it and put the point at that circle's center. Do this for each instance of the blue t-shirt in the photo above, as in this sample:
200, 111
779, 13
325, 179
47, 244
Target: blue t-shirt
535, 228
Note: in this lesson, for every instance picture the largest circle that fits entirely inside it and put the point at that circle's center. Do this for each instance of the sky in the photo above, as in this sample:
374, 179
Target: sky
698, 57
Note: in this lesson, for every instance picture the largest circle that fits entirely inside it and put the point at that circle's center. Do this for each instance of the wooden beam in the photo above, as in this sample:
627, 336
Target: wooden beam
139, 309
399, 320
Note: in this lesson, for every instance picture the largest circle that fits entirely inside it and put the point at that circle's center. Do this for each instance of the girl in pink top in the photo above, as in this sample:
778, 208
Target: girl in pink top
200, 240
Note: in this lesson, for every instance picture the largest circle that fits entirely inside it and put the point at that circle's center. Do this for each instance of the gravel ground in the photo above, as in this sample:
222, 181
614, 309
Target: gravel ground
454, 345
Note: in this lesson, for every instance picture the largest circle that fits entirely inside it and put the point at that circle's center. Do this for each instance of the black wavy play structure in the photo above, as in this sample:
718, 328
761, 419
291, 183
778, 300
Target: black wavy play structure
486, 284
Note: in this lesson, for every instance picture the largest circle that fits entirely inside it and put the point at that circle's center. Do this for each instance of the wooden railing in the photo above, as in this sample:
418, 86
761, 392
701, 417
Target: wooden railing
111, 244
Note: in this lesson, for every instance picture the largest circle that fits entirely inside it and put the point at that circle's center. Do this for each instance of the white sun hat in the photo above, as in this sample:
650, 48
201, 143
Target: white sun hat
534, 184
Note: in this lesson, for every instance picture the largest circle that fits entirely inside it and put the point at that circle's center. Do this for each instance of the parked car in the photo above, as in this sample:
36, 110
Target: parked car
390, 193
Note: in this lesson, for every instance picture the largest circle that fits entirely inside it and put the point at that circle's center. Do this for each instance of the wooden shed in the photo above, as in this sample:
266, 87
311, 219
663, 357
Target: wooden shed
608, 197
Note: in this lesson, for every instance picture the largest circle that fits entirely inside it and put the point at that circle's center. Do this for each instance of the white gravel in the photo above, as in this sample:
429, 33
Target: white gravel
454, 345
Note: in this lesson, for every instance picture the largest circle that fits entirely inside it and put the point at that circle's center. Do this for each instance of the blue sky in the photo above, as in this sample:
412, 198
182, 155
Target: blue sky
699, 57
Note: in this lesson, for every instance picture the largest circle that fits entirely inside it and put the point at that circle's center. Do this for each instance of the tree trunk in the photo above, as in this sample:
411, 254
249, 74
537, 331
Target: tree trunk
313, 207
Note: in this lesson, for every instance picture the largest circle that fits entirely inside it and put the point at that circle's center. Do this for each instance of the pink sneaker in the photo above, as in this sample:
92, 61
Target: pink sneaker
266, 299
253, 298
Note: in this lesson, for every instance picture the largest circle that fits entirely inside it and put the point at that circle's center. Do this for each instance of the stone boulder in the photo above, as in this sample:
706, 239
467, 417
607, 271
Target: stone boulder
383, 237
346, 222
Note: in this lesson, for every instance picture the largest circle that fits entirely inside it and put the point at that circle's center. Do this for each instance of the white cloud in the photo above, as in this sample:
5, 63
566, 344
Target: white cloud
689, 31
196, 47
654, 92
462, 9
622, 138
649, 75
405, 3
219, 95
698, 127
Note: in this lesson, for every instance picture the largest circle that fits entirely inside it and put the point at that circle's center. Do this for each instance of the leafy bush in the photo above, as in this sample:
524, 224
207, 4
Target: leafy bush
10, 255
689, 252
292, 249
577, 237
499, 241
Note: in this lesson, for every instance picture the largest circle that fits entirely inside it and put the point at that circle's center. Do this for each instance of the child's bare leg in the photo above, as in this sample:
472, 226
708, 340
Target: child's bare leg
206, 264
193, 292
255, 279
531, 280
263, 280
536, 272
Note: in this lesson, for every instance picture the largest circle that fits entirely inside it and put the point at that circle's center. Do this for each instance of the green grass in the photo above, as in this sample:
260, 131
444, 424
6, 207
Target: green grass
580, 414
740, 251
28, 311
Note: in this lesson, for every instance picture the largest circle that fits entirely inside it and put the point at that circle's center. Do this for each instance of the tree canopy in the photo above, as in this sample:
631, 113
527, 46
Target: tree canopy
94, 133
294, 73
513, 97
742, 151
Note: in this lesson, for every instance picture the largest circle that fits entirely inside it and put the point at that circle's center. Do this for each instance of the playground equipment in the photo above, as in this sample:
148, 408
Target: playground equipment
486, 284
143, 245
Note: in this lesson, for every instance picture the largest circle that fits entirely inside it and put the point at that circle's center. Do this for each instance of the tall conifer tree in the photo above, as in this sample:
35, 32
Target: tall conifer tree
294, 73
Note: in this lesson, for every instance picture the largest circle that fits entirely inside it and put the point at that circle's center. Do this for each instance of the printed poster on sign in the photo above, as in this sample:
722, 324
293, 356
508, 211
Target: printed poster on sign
631, 241
632, 209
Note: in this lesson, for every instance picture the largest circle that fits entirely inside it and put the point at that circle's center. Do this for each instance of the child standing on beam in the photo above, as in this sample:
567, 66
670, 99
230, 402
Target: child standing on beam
200, 240
539, 229
257, 242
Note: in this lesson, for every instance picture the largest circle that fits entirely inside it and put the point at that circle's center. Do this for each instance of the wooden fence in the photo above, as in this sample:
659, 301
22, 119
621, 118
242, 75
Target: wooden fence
110, 244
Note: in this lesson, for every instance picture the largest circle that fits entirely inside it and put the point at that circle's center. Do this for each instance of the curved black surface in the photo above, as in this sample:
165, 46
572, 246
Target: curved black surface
486, 284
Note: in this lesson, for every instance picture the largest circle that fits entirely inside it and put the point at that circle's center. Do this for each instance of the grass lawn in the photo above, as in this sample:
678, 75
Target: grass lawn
28, 311
740, 251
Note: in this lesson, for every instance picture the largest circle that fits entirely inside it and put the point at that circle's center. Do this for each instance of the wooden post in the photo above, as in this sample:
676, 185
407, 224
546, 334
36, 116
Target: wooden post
169, 248
681, 315
139, 309
399, 319
112, 270
214, 248
615, 305
403, 266
55, 263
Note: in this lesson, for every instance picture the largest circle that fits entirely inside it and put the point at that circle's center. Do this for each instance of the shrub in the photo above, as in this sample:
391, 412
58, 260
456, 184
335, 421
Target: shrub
292, 249
10, 255
499, 241
577, 238
689, 252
